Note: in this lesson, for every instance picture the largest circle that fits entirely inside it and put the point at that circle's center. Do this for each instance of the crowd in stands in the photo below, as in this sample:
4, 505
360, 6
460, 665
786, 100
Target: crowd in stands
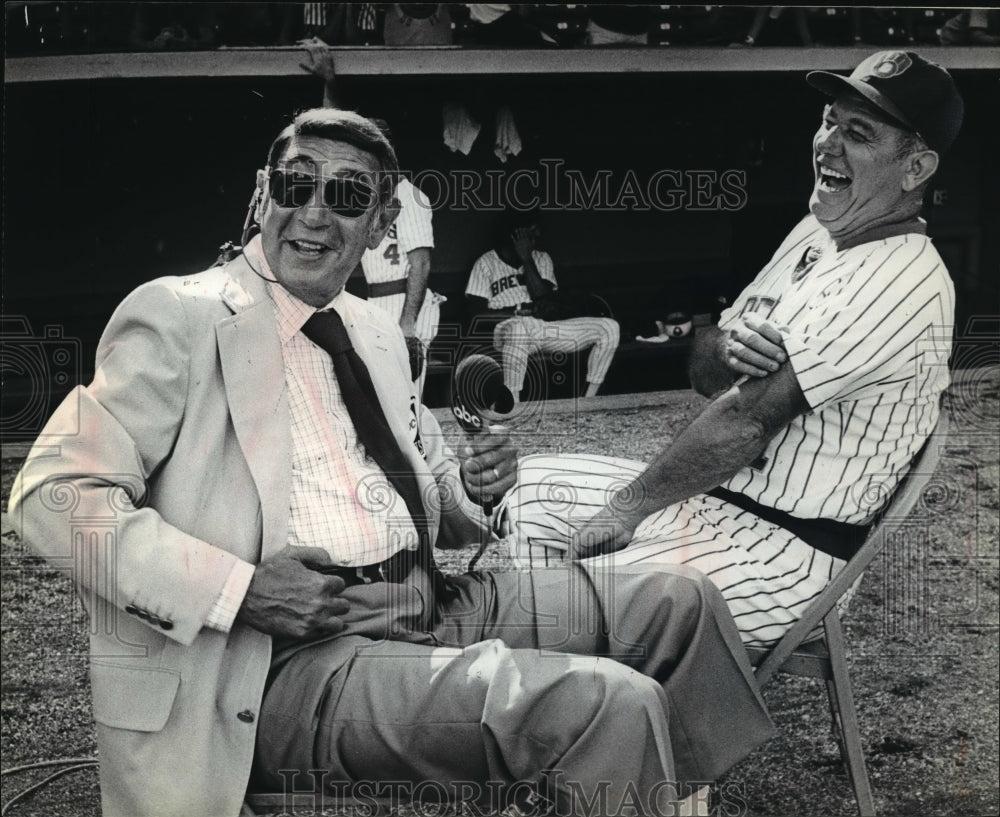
61, 27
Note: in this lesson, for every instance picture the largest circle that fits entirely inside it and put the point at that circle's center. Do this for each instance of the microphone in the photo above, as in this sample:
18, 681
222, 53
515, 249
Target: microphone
478, 394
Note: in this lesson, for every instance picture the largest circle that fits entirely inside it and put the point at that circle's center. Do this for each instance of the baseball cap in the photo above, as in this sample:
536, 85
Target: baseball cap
917, 94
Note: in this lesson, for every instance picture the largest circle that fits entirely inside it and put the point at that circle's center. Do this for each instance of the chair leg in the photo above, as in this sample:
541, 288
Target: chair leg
835, 726
850, 733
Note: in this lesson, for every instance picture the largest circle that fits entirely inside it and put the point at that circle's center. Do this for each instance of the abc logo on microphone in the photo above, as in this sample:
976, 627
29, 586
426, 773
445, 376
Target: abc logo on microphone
465, 418
479, 392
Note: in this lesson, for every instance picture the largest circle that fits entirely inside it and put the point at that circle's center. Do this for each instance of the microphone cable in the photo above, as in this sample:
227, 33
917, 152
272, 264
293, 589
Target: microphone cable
71, 764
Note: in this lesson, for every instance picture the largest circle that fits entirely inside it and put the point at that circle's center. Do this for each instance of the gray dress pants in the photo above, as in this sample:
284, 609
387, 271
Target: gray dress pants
596, 688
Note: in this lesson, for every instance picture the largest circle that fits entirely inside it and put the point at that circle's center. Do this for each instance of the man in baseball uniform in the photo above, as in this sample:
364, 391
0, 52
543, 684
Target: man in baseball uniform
509, 280
828, 370
397, 271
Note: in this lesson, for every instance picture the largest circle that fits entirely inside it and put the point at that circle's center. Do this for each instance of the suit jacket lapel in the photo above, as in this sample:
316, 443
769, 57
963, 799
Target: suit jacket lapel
254, 376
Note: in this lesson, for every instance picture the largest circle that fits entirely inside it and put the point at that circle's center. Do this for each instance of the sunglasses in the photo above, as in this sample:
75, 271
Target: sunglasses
344, 195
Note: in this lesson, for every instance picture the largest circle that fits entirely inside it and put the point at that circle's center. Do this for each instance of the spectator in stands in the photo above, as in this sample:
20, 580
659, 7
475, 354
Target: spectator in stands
417, 24
622, 24
173, 26
503, 24
517, 283
771, 14
972, 27
332, 23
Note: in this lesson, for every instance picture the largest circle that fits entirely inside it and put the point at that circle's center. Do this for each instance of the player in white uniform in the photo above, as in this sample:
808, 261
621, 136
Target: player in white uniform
398, 269
830, 364
509, 279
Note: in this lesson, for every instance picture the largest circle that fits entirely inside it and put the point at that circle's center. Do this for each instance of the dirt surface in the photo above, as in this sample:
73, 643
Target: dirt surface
923, 634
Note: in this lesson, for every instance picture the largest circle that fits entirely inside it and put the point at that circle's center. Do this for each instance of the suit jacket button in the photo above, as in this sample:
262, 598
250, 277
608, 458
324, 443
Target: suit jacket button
166, 625
246, 716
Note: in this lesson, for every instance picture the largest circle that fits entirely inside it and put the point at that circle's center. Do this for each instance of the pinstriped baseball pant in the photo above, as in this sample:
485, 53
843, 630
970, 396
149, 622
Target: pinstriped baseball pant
520, 337
767, 575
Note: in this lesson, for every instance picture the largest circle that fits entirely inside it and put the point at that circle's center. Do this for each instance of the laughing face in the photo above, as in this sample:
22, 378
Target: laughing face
312, 250
860, 176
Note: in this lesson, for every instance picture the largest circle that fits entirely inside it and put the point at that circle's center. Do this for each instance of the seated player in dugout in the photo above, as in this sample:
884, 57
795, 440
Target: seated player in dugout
827, 373
515, 283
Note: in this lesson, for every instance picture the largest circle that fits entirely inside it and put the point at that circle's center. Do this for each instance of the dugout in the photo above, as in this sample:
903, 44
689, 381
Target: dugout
121, 168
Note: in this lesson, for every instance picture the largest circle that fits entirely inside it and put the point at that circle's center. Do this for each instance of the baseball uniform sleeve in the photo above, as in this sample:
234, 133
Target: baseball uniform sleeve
869, 331
543, 262
479, 279
414, 227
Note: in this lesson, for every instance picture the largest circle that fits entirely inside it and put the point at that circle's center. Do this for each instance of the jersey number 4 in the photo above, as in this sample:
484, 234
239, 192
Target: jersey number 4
392, 253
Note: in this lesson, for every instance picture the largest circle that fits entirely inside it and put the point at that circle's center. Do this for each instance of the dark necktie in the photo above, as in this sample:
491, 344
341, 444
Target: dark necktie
326, 330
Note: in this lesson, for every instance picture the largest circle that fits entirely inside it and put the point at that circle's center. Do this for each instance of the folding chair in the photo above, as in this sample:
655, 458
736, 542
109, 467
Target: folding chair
826, 656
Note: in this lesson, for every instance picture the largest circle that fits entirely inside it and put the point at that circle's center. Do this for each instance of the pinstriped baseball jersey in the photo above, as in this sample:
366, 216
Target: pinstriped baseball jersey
868, 333
503, 285
411, 230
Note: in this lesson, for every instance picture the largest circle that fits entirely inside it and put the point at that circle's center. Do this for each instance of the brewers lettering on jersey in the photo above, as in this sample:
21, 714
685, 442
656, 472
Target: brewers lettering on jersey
509, 282
501, 284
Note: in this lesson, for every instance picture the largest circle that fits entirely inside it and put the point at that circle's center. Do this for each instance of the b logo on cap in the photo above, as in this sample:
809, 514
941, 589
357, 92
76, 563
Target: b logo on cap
892, 64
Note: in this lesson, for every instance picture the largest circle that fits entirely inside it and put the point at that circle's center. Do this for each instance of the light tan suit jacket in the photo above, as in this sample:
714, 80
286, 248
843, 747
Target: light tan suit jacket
150, 483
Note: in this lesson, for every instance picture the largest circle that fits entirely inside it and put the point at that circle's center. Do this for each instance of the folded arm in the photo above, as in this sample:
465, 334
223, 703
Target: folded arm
732, 432
750, 345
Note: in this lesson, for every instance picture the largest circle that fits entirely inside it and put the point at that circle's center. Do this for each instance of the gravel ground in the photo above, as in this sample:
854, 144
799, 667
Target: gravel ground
922, 631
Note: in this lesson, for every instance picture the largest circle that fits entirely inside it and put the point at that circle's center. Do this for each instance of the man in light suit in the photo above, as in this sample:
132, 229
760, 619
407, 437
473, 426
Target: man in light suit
231, 536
